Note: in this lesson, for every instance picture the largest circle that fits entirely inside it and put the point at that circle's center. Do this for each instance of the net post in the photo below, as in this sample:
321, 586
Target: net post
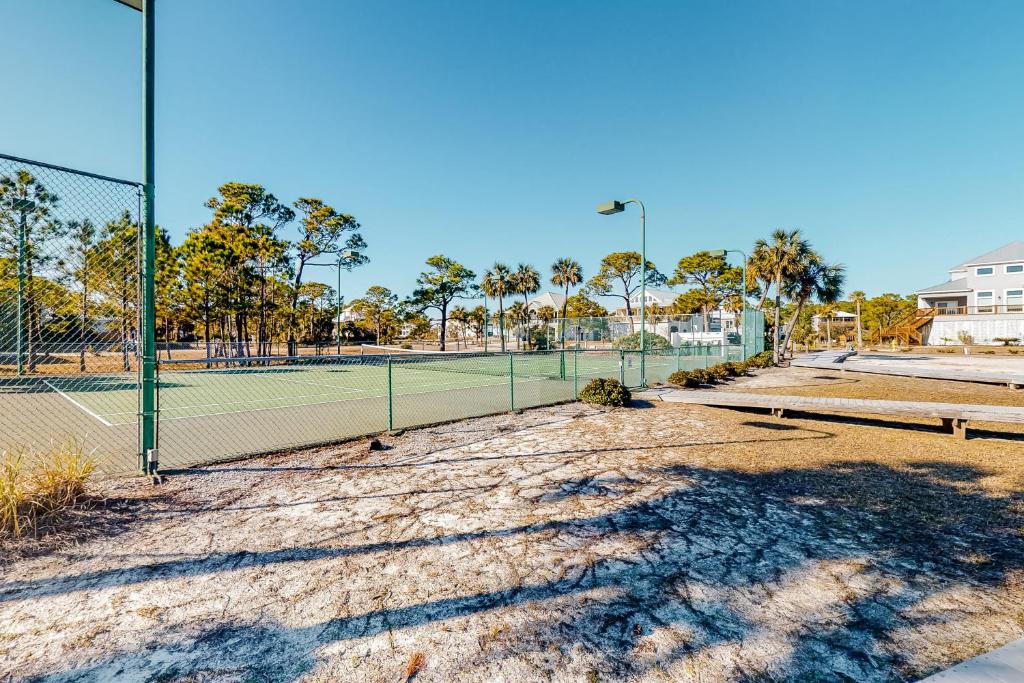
511, 384
622, 367
679, 350
391, 406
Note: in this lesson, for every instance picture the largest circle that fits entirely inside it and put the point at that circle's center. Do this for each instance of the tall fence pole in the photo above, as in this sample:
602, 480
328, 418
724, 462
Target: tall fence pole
148, 332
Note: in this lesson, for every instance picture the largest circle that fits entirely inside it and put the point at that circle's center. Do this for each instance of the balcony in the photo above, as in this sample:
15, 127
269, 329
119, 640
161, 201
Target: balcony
994, 309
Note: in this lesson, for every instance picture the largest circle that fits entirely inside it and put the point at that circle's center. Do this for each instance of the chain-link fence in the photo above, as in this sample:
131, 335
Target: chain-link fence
69, 312
71, 331
221, 408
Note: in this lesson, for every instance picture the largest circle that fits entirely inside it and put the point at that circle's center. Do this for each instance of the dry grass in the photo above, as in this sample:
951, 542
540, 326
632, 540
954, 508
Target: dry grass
415, 664
32, 498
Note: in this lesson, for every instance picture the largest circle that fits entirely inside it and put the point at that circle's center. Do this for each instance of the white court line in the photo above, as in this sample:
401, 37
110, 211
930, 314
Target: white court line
318, 384
340, 400
79, 405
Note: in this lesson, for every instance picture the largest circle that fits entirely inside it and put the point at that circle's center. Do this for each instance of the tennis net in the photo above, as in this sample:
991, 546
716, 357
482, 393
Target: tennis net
531, 364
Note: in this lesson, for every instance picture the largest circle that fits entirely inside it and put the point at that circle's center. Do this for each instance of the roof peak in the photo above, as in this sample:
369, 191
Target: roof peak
1011, 251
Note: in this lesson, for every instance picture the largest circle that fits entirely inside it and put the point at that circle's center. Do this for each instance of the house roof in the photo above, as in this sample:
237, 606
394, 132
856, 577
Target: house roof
1014, 251
838, 314
951, 287
552, 299
658, 294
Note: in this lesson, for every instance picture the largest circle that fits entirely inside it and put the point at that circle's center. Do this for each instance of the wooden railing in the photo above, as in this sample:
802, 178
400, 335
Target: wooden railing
994, 309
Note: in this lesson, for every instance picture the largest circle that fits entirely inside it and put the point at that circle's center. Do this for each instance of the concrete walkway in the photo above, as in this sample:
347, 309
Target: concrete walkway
1005, 665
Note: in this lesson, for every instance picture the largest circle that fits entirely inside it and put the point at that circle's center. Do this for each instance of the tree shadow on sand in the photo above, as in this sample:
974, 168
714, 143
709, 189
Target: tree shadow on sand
710, 555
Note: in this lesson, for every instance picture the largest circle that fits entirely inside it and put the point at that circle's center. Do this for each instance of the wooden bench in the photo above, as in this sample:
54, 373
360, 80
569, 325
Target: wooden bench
954, 416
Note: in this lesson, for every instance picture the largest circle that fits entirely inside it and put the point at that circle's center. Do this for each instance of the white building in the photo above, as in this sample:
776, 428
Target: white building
552, 299
983, 298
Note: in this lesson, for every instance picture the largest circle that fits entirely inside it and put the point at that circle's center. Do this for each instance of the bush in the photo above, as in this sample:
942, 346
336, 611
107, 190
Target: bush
760, 360
605, 392
720, 372
736, 369
702, 376
33, 497
683, 378
631, 342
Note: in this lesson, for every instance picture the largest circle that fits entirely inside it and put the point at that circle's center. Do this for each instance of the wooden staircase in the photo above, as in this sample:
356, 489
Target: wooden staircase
908, 331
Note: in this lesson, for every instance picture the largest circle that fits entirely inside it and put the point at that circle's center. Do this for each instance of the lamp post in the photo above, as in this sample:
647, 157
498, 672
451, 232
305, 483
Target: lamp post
743, 293
612, 207
23, 207
343, 255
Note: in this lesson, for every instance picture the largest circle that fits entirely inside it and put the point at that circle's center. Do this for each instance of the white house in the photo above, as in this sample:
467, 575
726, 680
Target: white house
655, 297
983, 298
552, 299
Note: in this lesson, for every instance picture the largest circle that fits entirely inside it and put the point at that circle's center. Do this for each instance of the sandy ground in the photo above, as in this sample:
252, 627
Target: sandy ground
659, 543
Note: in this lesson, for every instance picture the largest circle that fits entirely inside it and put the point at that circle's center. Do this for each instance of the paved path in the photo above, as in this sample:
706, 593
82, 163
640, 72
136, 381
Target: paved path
916, 366
1005, 665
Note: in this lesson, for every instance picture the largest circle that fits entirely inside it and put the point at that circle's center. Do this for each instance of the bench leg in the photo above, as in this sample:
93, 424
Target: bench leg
955, 426
778, 412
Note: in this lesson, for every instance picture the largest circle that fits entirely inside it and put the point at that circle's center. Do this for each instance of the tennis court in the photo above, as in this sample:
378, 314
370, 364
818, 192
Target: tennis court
210, 410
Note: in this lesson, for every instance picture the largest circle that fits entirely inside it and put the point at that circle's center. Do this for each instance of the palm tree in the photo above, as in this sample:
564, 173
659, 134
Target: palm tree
858, 297
817, 280
784, 257
497, 282
546, 314
566, 273
478, 319
518, 314
826, 312
460, 316
526, 281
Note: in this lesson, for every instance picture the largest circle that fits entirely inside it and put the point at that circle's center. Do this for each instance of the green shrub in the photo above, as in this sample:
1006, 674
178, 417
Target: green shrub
702, 376
735, 368
631, 342
605, 392
683, 378
760, 360
720, 372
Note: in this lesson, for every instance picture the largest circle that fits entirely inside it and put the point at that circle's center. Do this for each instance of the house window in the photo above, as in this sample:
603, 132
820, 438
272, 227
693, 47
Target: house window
984, 301
1015, 268
987, 270
1014, 300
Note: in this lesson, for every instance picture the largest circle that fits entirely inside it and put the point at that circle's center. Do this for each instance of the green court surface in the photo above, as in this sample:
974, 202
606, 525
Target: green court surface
242, 407
190, 390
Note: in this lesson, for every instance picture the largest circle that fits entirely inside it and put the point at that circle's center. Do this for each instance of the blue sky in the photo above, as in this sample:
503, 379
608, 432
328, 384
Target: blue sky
892, 133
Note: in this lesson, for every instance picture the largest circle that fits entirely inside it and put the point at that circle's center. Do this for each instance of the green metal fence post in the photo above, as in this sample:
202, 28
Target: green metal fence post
147, 447
679, 351
622, 367
575, 375
511, 384
561, 365
391, 408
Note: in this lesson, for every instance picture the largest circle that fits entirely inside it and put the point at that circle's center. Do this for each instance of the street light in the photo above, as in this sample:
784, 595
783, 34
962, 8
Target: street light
615, 206
24, 207
343, 255
743, 293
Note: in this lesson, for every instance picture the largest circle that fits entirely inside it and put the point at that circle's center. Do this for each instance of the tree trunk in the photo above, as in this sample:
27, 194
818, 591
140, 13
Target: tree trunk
444, 325
776, 331
791, 325
860, 338
84, 322
501, 322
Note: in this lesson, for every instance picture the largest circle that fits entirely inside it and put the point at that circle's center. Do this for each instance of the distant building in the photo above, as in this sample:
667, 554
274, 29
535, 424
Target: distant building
552, 299
983, 298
